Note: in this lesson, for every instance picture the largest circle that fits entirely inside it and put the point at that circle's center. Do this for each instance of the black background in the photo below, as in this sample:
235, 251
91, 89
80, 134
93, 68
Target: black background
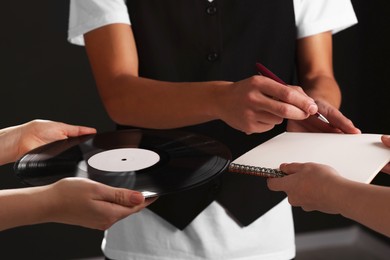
43, 76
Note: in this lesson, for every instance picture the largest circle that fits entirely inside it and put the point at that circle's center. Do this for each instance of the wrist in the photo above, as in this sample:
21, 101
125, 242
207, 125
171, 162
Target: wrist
220, 100
323, 88
9, 144
343, 197
49, 203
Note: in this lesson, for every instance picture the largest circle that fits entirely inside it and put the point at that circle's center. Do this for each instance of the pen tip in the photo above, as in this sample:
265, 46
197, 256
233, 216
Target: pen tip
322, 118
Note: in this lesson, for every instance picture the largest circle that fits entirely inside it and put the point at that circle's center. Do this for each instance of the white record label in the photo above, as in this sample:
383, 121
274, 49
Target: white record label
123, 160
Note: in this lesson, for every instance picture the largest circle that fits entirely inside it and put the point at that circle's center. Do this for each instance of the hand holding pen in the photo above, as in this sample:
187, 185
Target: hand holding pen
257, 104
262, 70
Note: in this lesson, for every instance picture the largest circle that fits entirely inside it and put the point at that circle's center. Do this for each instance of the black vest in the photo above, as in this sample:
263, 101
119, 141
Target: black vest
194, 40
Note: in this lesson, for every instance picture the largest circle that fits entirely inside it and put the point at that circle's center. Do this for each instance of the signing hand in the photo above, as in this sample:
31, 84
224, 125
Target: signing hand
258, 103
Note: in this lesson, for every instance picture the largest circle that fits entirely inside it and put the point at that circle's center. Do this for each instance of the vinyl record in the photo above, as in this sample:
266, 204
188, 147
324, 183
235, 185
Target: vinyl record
154, 162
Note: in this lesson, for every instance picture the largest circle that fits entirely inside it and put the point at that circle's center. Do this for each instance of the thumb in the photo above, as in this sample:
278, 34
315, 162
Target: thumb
128, 198
386, 140
120, 196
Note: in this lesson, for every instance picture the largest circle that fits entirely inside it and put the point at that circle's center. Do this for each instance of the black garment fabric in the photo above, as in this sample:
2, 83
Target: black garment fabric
194, 41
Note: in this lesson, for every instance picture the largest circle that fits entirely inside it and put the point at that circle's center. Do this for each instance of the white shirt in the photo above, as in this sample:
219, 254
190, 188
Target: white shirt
311, 16
213, 234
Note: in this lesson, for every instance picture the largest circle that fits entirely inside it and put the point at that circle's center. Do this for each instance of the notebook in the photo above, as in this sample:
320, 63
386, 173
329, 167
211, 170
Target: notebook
358, 157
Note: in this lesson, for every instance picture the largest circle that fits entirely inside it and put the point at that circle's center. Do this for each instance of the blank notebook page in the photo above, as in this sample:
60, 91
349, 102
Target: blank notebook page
358, 157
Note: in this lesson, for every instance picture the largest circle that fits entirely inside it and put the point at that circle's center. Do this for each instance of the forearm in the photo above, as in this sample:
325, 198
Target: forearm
131, 100
315, 68
23, 207
366, 204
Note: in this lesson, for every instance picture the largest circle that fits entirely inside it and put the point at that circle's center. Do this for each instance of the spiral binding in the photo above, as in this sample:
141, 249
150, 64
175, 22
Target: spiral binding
257, 171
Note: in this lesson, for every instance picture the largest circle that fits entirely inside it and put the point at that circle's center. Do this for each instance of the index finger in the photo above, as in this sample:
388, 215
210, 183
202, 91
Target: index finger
339, 121
291, 95
75, 130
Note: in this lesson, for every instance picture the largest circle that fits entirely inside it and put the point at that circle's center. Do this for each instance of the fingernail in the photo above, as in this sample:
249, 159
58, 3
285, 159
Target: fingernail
313, 109
136, 198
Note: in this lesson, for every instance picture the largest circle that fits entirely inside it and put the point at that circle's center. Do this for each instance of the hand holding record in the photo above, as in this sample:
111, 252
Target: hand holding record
154, 162
18, 140
76, 201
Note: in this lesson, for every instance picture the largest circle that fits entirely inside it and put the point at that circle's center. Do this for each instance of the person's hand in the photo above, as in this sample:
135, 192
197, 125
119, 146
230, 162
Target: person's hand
308, 185
82, 202
338, 122
39, 132
18, 140
386, 141
258, 103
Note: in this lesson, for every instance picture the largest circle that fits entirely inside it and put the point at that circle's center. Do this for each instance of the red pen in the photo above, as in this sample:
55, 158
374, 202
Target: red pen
262, 70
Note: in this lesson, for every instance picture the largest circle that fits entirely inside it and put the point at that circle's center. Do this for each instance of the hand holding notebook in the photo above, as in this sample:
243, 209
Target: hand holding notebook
357, 157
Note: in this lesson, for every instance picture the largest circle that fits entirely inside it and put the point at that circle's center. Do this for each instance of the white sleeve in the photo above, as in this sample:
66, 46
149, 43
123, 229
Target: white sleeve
317, 16
87, 15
